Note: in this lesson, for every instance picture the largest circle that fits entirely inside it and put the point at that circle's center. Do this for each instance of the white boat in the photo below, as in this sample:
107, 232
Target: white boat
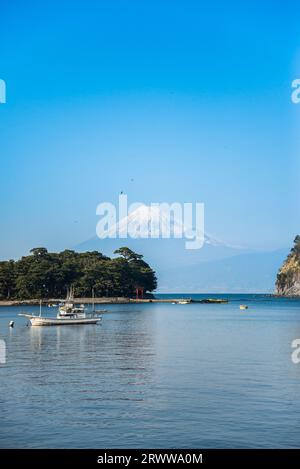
243, 306
62, 321
68, 314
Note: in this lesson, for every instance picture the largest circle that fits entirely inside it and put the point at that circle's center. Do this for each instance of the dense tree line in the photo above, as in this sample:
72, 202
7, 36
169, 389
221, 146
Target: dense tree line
44, 274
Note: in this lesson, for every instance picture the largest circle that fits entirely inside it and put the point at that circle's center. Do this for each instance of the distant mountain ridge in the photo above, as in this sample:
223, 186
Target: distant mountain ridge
251, 272
216, 267
213, 268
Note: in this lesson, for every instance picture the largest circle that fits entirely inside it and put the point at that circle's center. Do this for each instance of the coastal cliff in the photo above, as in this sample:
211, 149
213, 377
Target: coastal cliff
288, 278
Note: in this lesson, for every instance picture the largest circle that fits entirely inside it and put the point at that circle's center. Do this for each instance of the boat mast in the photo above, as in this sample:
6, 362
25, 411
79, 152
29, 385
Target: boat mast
40, 308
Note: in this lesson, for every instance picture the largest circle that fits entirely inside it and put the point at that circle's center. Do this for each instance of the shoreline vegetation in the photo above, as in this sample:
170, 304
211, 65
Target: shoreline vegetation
48, 277
44, 274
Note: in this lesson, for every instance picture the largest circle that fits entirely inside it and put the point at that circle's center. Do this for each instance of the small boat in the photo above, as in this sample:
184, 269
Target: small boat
243, 306
67, 315
183, 302
59, 321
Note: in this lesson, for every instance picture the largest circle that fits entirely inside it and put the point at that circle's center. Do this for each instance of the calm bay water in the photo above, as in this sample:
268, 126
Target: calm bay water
154, 375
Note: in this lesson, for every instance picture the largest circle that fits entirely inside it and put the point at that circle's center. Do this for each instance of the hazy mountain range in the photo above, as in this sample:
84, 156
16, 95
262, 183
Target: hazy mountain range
216, 268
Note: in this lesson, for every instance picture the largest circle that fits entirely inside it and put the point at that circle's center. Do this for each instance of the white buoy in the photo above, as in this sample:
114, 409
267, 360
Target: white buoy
12, 323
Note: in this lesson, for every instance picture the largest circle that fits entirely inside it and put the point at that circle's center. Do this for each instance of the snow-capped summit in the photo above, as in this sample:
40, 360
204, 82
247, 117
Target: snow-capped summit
150, 221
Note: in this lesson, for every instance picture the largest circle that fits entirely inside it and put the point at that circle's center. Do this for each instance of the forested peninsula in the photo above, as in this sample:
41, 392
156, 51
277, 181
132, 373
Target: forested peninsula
44, 274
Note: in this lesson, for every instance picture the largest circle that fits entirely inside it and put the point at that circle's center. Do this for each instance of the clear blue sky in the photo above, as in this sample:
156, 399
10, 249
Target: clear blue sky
165, 100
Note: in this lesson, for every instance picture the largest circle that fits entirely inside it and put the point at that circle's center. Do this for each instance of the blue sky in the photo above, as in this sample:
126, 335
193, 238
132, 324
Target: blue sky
166, 101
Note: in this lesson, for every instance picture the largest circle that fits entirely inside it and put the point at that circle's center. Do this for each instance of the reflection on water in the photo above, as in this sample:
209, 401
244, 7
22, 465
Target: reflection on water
49, 339
154, 376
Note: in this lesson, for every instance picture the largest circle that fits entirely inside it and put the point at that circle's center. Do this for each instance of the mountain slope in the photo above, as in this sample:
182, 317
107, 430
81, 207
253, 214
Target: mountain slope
163, 251
211, 269
250, 273
216, 267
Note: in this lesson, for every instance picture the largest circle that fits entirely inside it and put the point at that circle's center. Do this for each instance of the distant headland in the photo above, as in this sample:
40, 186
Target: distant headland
288, 278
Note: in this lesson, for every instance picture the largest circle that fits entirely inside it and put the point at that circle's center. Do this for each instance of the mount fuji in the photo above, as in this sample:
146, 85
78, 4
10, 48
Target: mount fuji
216, 267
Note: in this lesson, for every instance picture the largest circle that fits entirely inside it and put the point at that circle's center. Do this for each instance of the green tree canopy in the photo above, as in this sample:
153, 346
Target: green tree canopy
43, 274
